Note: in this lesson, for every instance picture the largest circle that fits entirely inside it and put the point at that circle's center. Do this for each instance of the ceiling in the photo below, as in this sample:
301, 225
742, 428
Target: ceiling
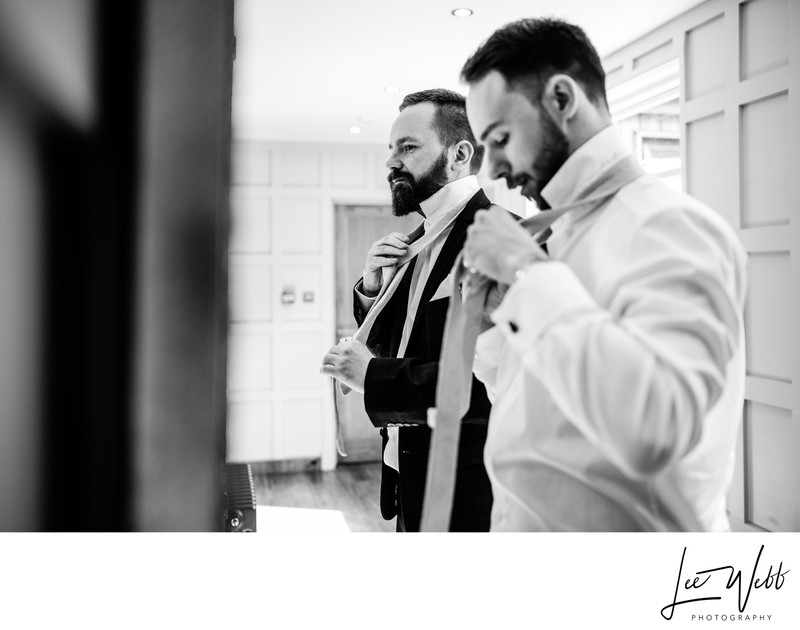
309, 70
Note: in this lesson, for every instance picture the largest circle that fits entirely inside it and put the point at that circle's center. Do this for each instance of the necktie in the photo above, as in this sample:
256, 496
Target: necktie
462, 327
419, 240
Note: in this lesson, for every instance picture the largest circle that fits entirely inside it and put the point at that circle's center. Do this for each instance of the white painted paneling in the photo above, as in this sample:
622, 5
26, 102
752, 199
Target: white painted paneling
252, 164
768, 316
657, 56
705, 58
770, 457
348, 170
249, 361
707, 177
765, 162
765, 41
305, 283
251, 220
298, 225
381, 170
302, 431
251, 293
300, 360
301, 168
250, 432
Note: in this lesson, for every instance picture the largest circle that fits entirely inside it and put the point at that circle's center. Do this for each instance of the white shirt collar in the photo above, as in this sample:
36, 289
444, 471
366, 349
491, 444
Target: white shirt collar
447, 198
588, 160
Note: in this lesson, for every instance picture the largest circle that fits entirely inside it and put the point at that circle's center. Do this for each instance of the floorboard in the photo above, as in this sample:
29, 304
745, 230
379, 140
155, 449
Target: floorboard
353, 489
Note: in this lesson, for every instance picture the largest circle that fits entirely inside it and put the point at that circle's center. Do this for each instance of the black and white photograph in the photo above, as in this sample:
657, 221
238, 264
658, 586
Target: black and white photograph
309, 308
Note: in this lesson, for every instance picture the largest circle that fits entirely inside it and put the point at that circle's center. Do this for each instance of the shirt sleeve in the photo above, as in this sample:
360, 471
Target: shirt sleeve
364, 301
637, 364
487, 358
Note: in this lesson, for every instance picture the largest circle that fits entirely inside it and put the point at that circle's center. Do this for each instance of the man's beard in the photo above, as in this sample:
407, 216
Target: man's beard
408, 193
552, 155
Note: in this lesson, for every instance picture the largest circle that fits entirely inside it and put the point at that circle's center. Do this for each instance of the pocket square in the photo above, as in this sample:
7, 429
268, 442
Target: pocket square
443, 290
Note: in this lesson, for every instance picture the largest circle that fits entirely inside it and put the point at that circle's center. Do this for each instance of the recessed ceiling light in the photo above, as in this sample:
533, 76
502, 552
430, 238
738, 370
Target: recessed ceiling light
392, 88
463, 12
355, 129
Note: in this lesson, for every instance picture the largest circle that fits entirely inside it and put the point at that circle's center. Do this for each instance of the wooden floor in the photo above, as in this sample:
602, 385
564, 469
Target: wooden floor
353, 489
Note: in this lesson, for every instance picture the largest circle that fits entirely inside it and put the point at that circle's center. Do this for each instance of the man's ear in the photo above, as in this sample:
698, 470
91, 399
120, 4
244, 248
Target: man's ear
560, 97
462, 153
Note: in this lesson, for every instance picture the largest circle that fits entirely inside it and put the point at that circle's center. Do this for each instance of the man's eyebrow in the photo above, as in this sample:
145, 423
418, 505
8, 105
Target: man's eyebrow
488, 130
404, 139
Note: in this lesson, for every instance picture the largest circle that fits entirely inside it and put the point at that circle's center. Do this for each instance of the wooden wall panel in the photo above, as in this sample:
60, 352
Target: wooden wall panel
708, 178
768, 316
250, 431
250, 361
252, 164
705, 55
251, 220
299, 360
765, 162
301, 169
299, 225
302, 434
769, 455
765, 41
251, 289
348, 170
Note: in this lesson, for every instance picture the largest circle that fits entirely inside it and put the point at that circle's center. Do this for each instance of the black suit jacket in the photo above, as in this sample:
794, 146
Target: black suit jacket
400, 391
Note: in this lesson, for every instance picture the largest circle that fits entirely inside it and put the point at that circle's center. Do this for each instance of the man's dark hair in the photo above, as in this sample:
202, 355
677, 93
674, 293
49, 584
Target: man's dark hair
528, 52
450, 120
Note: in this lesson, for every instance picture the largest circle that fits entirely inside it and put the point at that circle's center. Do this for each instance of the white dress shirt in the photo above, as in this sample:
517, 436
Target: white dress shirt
616, 370
456, 193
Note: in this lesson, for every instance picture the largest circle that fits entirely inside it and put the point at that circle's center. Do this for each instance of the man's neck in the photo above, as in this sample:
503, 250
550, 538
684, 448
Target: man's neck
448, 196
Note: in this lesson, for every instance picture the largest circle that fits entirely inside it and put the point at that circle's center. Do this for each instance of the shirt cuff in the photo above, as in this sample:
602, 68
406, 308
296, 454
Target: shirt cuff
364, 301
545, 294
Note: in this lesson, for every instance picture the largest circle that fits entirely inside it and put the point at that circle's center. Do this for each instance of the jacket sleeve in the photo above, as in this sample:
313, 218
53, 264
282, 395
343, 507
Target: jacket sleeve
400, 391
361, 303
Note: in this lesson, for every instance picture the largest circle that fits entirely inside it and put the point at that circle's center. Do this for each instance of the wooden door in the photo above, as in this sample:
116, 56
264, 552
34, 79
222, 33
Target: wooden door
357, 228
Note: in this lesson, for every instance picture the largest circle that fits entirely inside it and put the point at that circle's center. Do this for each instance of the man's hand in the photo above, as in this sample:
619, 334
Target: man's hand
383, 253
347, 361
497, 246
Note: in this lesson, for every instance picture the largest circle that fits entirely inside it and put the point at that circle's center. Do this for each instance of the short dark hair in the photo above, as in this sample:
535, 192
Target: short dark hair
529, 51
450, 121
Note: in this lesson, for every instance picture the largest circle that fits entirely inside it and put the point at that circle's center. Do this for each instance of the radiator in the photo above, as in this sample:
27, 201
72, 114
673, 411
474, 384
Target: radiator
240, 515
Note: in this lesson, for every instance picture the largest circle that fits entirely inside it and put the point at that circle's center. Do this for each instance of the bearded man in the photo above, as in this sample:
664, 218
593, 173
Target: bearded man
616, 364
432, 165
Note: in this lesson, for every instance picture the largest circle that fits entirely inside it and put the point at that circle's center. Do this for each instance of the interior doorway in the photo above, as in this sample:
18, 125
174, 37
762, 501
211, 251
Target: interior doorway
357, 227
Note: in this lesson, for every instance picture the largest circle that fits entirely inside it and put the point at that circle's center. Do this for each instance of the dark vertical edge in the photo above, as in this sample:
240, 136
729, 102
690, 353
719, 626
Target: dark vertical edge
222, 254
90, 205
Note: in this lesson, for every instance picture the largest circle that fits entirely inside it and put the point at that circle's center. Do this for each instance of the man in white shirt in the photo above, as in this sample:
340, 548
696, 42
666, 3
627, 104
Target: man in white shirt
616, 363
432, 169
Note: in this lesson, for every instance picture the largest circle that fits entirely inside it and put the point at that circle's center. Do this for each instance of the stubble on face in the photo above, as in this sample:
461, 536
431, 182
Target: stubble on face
408, 192
553, 152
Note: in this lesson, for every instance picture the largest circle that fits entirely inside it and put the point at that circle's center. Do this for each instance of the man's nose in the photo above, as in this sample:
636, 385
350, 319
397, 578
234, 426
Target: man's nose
498, 166
393, 163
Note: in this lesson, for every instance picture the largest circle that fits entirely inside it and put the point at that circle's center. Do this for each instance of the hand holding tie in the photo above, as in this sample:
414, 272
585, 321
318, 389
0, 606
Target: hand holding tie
497, 246
384, 253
